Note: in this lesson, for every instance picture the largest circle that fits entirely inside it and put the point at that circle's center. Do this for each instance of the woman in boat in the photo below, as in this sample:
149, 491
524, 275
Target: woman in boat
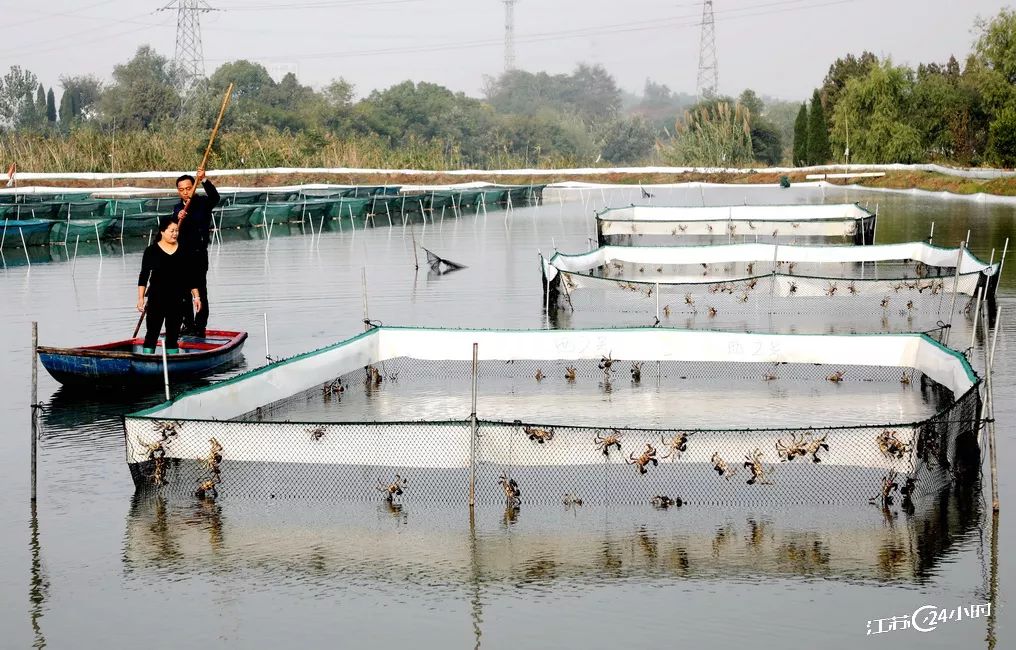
169, 275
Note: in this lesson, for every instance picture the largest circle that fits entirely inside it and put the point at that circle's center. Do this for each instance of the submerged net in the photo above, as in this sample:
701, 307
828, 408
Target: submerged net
846, 223
552, 418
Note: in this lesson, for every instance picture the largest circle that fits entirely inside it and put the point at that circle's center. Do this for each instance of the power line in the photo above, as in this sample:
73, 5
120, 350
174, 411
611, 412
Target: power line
641, 26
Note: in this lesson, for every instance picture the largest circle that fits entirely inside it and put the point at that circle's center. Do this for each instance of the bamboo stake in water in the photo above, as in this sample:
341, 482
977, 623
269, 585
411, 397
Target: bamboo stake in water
472, 432
977, 313
989, 407
366, 317
268, 354
25, 246
956, 286
165, 369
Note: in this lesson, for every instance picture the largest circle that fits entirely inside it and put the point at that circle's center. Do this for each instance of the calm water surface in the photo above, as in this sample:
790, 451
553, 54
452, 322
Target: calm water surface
99, 567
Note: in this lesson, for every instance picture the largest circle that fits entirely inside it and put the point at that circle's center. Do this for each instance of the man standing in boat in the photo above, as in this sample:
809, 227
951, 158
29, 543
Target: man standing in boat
195, 233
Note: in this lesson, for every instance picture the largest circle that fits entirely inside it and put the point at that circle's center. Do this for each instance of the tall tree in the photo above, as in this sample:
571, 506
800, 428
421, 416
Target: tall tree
878, 109
996, 45
17, 108
1002, 137
50, 107
818, 133
840, 72
143, 91
801, 137
79, 99
40, 100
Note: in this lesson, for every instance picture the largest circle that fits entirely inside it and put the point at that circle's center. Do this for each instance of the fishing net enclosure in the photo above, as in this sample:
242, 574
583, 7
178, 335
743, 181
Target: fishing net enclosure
762, 287
610, 417
845, 223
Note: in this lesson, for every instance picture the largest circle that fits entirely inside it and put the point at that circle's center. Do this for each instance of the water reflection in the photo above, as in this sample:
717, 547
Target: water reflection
38, 584
541, 546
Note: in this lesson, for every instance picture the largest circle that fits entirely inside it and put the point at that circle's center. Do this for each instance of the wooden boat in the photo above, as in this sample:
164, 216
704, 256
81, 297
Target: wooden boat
124, 362
34, 231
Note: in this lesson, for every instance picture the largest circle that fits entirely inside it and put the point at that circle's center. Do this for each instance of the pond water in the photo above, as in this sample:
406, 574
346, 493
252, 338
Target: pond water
99, 567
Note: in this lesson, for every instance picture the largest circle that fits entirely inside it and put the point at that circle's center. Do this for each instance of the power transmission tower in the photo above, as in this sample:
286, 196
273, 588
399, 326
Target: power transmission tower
509, 34
188, 57
708, 72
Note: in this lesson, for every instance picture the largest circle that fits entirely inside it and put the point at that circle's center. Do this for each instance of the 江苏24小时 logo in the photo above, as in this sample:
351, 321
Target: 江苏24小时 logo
927, 618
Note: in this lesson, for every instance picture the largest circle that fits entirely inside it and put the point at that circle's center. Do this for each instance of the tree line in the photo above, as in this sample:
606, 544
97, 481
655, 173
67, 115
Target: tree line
866, 110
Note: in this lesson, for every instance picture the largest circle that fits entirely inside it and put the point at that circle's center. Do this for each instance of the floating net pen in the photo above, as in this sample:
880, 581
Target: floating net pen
612, 416
843, 223
763, 287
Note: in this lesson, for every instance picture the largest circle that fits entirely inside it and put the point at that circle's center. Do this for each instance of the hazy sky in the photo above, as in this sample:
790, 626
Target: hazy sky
777, 47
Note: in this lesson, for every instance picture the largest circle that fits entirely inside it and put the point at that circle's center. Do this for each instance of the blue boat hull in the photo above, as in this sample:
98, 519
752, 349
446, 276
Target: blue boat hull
124, 363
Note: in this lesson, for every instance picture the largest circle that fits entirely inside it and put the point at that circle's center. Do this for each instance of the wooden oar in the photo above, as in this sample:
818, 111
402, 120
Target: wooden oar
204, 161
211, 140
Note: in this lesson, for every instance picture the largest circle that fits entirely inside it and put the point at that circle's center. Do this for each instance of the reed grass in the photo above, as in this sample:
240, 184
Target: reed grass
92, 150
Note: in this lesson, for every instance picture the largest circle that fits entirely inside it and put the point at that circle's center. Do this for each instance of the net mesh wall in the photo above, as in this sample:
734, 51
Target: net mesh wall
777, 302
699, 233
268, 454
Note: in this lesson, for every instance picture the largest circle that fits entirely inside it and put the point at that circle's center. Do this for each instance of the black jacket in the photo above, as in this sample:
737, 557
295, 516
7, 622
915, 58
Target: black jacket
194, 231
170, 278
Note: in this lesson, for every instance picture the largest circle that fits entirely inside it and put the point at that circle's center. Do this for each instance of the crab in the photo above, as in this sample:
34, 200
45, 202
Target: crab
646, 457
214, 457
605, 364
539, 435
815, 445
666, 311
676, 446
206, 490
316, 433
890, 445
831, 289
569, 373
689, 299
753, 462
889, 485
539, 375
793, 448
905, 378
393, 489
852, 288
374, 377
636, 372
605, 443
836, 377
662, 502
721, 466
511, 491
712, 312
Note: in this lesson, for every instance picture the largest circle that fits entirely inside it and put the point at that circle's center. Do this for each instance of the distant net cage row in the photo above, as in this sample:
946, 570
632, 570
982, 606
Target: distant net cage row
845, 223
225, 440
759, 287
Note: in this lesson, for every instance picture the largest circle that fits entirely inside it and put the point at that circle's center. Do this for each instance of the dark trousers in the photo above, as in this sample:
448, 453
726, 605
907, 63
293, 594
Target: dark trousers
169, 312
197, 322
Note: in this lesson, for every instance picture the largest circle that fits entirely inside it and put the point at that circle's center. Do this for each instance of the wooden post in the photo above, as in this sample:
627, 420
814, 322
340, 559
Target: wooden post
35, 404
472, 433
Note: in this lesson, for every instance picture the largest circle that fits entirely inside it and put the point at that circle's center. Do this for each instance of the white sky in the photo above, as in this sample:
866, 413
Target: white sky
781, 48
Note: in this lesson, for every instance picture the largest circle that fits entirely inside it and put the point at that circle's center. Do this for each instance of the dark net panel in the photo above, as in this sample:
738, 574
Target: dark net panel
763, 304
